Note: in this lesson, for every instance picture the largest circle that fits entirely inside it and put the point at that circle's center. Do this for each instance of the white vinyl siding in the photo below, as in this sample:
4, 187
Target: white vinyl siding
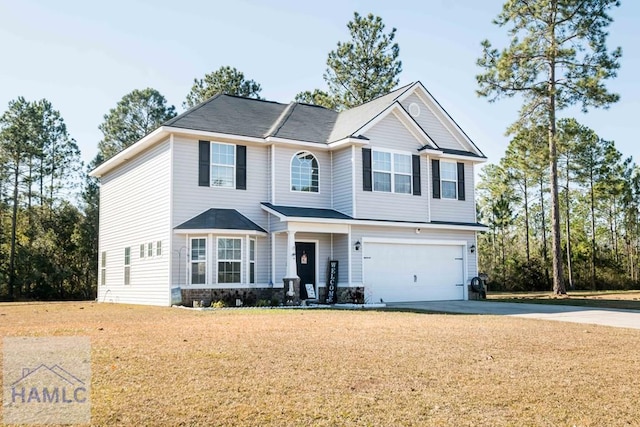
433, 126
455, 210
135, 208
282, 181
392, 136
342, 179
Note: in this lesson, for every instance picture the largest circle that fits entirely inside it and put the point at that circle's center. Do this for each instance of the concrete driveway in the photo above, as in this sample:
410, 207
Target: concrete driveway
562, 313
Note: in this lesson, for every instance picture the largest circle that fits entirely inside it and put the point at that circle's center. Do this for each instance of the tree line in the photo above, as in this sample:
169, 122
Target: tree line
556, 171
49, 206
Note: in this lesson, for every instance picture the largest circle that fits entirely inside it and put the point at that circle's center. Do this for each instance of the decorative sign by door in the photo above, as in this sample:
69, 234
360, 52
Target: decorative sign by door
303, 258
311, 290
332, 282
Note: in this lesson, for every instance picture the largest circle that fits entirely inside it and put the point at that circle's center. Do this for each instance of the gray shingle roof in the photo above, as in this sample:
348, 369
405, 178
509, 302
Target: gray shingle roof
349, 121
255, 118
293, 211
231, 115
220, 219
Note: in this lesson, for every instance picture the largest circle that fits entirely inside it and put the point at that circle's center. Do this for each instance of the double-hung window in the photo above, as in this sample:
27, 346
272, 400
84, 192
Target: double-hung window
252, 260
223, 165
103, 268
449, 179
127, 266
198, 261
229, 260
392, 172
402, 173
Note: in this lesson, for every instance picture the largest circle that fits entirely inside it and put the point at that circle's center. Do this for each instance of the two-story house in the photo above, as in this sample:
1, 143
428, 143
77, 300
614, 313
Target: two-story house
241, 197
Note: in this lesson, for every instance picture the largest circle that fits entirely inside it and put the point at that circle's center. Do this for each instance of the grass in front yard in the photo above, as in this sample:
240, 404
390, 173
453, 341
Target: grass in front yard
166, 366
629, 300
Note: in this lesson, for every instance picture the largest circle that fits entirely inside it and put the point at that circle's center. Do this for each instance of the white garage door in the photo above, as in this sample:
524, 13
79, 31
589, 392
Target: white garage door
410, 272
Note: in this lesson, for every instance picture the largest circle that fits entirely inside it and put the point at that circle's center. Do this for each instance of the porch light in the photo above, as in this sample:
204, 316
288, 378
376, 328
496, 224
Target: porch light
357, 245
472, 249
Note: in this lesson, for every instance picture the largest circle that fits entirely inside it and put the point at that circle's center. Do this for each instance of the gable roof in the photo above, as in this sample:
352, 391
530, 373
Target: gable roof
350, 121
268, 121
220, 219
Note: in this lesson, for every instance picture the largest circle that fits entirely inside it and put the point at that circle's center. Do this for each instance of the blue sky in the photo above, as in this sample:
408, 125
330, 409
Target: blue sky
83, 56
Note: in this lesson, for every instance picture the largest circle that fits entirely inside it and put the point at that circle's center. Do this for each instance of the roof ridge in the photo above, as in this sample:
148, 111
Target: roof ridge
280, 121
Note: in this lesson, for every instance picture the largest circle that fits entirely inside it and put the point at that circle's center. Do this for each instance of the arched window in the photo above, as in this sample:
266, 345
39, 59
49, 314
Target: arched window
304, 172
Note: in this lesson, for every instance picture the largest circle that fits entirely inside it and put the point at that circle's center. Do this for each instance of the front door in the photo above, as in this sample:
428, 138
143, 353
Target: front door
306, 265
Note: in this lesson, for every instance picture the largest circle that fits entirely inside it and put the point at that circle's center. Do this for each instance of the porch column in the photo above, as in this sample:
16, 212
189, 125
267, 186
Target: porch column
291, 280
292, 272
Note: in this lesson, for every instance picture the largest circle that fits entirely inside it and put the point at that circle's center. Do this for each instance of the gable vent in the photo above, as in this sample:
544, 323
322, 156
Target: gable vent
414, 109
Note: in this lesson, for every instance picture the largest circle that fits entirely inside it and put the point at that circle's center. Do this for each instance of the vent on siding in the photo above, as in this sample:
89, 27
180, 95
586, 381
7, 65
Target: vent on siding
414, 109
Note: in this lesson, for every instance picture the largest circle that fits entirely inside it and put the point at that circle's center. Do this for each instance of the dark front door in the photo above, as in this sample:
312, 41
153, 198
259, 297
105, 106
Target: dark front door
306, 265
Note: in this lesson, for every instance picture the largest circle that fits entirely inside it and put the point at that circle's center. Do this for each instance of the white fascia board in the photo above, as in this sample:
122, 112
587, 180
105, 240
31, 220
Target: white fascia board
460, 157
347, 141
376, 223
274, 213
314, 145
439, 242
213, 135
318, 227
131, 151
220, 231
425, 225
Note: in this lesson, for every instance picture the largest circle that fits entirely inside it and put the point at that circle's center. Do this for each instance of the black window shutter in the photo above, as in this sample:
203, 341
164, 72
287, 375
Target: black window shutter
204, 165
435, 173
460, 181
241, 167
416, 174
366, 169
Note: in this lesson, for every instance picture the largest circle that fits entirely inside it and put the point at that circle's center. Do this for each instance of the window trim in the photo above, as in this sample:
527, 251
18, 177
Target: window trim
143, 250
204, 261
212, 165
127, 265
392, 172
315, 158
251, 257
454, 181
219, 260
103, 268
150, 250
159, 248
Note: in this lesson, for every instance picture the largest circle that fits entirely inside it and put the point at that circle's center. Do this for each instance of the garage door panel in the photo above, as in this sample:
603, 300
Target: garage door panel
410, 272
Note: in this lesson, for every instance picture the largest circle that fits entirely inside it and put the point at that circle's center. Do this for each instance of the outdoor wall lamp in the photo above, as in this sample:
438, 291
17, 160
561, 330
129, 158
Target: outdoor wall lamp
357, 245
472, 249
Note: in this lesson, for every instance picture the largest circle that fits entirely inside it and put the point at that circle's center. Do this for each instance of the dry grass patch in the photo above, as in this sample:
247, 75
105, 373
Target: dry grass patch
629, 300
163, 366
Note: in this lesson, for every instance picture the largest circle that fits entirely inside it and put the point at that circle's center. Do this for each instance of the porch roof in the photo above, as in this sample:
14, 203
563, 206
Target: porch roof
220, 219
296, 212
